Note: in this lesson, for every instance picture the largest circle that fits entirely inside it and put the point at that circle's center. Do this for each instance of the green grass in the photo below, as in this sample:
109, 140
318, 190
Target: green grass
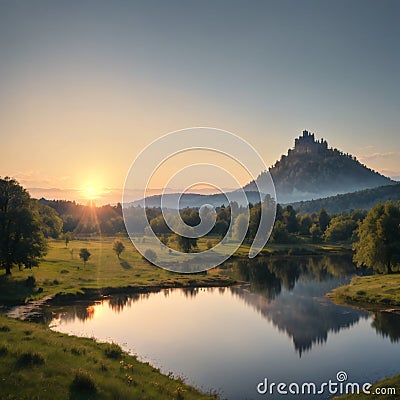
393, 382
376, 291
46, 365
61, 272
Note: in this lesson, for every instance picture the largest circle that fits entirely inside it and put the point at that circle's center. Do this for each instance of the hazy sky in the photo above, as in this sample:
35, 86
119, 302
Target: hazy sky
85, 85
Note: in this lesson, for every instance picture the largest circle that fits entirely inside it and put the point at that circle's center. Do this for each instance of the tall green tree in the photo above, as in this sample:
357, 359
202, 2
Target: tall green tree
340, 228
22, 241
84, 254
51, 223
378, 244
290, 219
186, 243
323, 220
118, 247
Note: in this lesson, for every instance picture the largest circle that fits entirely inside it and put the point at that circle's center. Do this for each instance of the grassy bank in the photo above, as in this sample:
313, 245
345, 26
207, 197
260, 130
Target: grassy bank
371, 292
383, 386
62, 271
36, 363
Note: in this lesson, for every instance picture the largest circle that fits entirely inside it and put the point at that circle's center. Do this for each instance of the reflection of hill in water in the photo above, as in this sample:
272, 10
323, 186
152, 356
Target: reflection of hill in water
290, 294
307, 320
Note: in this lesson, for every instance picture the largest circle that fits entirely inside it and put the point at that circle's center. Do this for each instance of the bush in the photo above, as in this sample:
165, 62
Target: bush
150, 255
77, 352
29, 359
3, 350
113, 351
4, 328
30, 281
83, 383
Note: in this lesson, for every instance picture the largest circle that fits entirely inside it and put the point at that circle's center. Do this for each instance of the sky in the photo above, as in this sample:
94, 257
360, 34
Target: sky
86, 85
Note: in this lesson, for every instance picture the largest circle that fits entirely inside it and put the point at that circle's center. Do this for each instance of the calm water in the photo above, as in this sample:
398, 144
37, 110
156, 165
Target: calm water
278, 326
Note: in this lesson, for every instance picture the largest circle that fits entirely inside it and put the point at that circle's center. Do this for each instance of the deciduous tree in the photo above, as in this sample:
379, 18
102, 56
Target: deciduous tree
84, 254
378, 244
22, 241
118, 247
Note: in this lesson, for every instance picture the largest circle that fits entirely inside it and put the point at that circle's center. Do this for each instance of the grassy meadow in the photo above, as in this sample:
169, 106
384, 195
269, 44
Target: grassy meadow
62, 271
375, 291
36, 363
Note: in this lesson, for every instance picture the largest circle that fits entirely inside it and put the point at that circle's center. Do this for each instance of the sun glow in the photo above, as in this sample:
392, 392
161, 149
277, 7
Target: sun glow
91, 191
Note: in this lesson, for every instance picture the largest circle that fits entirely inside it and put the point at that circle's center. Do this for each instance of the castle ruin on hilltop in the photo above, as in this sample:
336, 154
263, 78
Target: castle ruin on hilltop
307, 144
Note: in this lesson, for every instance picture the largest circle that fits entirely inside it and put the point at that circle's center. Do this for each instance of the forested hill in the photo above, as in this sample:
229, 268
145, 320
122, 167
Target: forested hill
364, 199
313, 170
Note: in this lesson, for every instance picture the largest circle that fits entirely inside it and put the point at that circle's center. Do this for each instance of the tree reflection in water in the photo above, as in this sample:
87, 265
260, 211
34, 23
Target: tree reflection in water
289, 292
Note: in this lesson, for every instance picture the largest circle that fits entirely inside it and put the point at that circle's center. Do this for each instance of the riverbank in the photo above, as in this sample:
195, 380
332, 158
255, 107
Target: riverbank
39, 363
376, 292
62, 273
45, 364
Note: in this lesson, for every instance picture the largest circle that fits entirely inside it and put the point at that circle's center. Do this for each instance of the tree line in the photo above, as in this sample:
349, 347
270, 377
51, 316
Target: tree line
26, 223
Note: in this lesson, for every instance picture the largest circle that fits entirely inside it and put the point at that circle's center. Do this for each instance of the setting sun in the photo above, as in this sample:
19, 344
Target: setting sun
91, 191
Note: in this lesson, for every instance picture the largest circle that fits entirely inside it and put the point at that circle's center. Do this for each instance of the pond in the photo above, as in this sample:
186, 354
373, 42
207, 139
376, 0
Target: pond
279, 325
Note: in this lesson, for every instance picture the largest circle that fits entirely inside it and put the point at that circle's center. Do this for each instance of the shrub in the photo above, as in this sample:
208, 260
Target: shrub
103, 367
3, 350
4, 328
113, 351
29, 359
64, 271
30, 281
83, 383
77, 352
150, 255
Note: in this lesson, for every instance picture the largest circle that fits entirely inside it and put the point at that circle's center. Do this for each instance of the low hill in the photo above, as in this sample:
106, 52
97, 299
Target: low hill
363, 199
313, 170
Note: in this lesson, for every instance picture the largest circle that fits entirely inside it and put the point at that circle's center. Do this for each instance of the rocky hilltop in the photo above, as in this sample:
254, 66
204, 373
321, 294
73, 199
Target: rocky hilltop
311, 169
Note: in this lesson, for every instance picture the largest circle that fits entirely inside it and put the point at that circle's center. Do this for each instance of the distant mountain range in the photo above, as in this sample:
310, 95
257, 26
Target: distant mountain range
311, 170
